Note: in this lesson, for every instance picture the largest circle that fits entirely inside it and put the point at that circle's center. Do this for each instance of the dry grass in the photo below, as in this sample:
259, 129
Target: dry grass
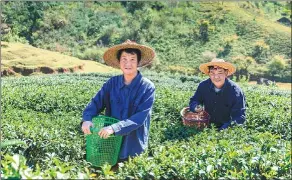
92, 66
22, 55
28, 57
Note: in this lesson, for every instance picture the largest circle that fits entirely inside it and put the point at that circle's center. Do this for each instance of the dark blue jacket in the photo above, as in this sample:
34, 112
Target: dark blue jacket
225, 106
132, 105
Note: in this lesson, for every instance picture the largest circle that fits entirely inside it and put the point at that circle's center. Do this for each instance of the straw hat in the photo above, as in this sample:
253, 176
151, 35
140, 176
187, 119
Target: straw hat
204, 68
147, 54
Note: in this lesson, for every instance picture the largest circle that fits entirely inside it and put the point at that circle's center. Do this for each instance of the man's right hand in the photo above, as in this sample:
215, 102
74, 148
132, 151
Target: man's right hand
199, 108
86, 127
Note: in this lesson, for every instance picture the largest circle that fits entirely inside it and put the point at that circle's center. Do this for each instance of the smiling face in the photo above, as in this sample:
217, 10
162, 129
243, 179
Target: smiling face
129, 63
217, 76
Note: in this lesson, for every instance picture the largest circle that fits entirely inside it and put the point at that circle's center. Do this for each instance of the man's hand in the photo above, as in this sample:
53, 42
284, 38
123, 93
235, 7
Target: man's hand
224, 126
86, 127
106, 132
199, 108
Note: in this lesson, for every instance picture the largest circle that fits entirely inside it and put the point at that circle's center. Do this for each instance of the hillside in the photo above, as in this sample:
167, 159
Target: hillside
22, 59
184, 34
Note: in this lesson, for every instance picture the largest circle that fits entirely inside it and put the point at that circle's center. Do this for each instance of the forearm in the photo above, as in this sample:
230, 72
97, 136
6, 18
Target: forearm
235, 120
128, 125
237, 111
239, 119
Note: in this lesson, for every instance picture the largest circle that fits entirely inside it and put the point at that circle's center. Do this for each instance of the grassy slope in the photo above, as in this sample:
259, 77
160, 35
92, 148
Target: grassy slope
184, 54
266, 23
276, 35
20, 56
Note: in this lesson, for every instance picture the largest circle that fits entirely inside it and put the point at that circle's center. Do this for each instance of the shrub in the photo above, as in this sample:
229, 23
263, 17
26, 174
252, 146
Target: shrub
208, 56
277, 66
245, 65
95, 54
204, 30
45, 111
260, 51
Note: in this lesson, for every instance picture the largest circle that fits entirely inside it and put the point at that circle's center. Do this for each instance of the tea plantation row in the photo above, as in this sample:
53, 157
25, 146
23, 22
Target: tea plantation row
45, 111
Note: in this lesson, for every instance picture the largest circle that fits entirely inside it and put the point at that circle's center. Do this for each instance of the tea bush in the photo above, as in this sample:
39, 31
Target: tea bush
45, 112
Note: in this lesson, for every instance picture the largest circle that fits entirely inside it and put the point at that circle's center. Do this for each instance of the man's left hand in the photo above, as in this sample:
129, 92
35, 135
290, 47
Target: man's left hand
224, 126
106, 132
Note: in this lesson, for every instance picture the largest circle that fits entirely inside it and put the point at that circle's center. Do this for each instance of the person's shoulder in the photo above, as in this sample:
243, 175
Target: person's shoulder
205, 83
112, 82
114, 79
147, 83
234, 86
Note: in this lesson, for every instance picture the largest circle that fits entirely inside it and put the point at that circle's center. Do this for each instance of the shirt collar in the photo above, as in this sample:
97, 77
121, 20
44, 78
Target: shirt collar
132, 84
212, 87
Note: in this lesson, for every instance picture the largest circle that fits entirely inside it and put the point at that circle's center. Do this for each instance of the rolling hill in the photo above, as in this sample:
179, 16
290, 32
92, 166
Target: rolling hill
183, 34
23, 59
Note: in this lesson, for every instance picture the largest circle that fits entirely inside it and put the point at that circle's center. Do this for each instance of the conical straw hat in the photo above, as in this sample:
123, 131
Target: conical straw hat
147, 54
204, 68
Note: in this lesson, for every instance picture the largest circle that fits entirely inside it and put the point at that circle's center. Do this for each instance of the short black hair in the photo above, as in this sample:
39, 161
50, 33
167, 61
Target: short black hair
211, 67
130, 51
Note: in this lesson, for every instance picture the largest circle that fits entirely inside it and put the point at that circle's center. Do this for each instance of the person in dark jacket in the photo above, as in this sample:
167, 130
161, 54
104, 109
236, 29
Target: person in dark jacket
221, 97
129, 97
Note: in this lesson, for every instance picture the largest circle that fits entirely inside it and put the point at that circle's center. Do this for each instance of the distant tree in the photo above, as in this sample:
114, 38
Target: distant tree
25, 17
261, 51
208, 56
133, 6
204, 27
244, 66
227, 45
277, 66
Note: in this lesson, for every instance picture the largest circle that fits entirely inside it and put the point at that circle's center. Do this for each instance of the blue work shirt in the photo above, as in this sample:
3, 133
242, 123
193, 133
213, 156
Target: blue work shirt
132, 105
224, 106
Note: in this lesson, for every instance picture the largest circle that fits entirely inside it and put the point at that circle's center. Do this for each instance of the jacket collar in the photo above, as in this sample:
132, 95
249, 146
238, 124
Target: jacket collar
212, 87
132, 84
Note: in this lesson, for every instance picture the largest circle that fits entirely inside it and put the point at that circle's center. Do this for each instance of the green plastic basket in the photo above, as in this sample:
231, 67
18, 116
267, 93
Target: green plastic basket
100, 151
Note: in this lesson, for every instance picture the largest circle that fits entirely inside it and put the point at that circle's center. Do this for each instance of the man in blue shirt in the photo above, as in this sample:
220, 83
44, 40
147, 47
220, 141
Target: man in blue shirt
220, 96
128, 97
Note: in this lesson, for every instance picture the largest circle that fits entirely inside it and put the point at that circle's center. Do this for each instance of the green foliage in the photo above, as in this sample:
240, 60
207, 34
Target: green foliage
277, 66
245, 65
45, 111
204, 28
14, 167
227, 45
13, 36
11, 142
178, 31
208, 56
25, 17
260, 52
212, 157
95, 54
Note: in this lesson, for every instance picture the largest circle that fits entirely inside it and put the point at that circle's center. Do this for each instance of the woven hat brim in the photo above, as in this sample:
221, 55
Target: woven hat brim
110, 56
204, 68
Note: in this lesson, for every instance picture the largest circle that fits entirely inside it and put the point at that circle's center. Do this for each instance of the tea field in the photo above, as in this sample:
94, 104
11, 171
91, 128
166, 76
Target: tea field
40, 125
